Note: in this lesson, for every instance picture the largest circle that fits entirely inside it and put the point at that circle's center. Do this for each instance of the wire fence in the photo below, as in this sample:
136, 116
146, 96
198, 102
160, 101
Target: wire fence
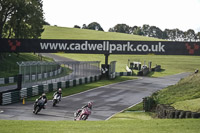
43, 72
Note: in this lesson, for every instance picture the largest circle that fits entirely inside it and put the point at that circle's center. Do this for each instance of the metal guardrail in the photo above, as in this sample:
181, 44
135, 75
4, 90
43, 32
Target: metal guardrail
14, 96
17, 95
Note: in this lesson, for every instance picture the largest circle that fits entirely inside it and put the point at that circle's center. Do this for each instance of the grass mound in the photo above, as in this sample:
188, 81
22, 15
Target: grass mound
185, 95
54, 32
191, 105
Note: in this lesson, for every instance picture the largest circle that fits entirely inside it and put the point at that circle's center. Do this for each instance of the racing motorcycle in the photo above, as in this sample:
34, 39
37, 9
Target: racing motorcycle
39, 105
82, 114
56, 99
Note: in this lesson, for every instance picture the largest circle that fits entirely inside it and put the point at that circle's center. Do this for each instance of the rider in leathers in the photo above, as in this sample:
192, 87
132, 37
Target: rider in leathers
59, 92
41, 97
89, 105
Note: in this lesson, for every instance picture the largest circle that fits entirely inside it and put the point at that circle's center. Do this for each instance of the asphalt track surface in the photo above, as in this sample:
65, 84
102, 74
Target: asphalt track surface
108, 100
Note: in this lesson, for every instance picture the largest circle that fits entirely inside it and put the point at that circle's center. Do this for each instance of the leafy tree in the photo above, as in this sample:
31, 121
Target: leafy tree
165, 36
122, 28
145, 29
95, 26
133, 30
84, 26
197, 36
159, 33
111, 30
170, 34
190, 35
76, 26
179, 35
21, 18
153, 31
138, 31
46, 23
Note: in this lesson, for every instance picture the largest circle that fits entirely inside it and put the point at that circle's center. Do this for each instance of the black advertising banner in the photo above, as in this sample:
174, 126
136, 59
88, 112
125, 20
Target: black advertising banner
100, 46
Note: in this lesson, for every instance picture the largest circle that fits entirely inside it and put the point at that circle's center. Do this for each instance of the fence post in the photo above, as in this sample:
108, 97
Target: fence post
0, 98
145, 104
19, 82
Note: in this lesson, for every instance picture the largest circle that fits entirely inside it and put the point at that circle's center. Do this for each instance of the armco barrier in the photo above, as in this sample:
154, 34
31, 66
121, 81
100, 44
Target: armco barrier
17, 95
117, 74
8, 80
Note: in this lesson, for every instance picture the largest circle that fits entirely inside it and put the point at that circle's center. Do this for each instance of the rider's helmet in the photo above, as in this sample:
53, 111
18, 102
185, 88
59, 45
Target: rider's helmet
90, 104
59, 90
44, 95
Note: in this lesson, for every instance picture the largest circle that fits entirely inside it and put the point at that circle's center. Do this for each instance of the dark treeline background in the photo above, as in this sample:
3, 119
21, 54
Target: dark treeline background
149, 31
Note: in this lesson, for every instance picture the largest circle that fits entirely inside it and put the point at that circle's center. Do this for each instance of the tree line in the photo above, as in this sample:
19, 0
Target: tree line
24, 19
149, 31
21, 19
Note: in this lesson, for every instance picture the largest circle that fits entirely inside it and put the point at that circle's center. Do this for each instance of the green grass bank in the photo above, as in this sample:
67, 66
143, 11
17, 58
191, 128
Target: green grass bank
54, 32
113, 126
171, 64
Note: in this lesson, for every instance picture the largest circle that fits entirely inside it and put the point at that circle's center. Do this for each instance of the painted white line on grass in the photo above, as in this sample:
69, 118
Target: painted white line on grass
123, 110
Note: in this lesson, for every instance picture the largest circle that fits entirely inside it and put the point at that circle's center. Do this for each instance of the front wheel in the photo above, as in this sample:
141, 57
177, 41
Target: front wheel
37, 110
76, 115
54, 102
84, 117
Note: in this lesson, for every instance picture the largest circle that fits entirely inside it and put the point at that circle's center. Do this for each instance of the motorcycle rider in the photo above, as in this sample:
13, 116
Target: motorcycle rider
58, 93
43, 96
89, 105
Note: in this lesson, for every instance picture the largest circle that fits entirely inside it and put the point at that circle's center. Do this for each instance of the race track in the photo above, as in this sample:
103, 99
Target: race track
108, 100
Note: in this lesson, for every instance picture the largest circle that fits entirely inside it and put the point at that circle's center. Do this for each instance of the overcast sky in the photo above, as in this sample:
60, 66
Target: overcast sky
181, 14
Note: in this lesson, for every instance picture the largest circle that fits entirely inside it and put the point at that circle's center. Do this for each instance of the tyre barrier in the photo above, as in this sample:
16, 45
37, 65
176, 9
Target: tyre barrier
143, 72
148, 104
157, 68
167, 111
14, 96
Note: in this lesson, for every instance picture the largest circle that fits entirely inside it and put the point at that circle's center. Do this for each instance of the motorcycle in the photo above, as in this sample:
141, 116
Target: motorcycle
82, 114
56, 99
39, 105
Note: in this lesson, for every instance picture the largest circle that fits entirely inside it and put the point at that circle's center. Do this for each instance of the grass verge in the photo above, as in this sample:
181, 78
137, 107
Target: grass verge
191, 105
186, 89
113, 126
134, 113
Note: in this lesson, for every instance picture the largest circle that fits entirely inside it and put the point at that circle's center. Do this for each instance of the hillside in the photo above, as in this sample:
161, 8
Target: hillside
185, 95
54, 32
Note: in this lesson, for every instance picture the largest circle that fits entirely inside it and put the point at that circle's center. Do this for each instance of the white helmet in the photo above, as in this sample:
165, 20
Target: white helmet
90, 104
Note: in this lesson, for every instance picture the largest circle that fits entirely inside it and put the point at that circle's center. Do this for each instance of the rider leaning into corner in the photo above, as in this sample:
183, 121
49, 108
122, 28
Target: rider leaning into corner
41, 97
59, 93
89, 105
